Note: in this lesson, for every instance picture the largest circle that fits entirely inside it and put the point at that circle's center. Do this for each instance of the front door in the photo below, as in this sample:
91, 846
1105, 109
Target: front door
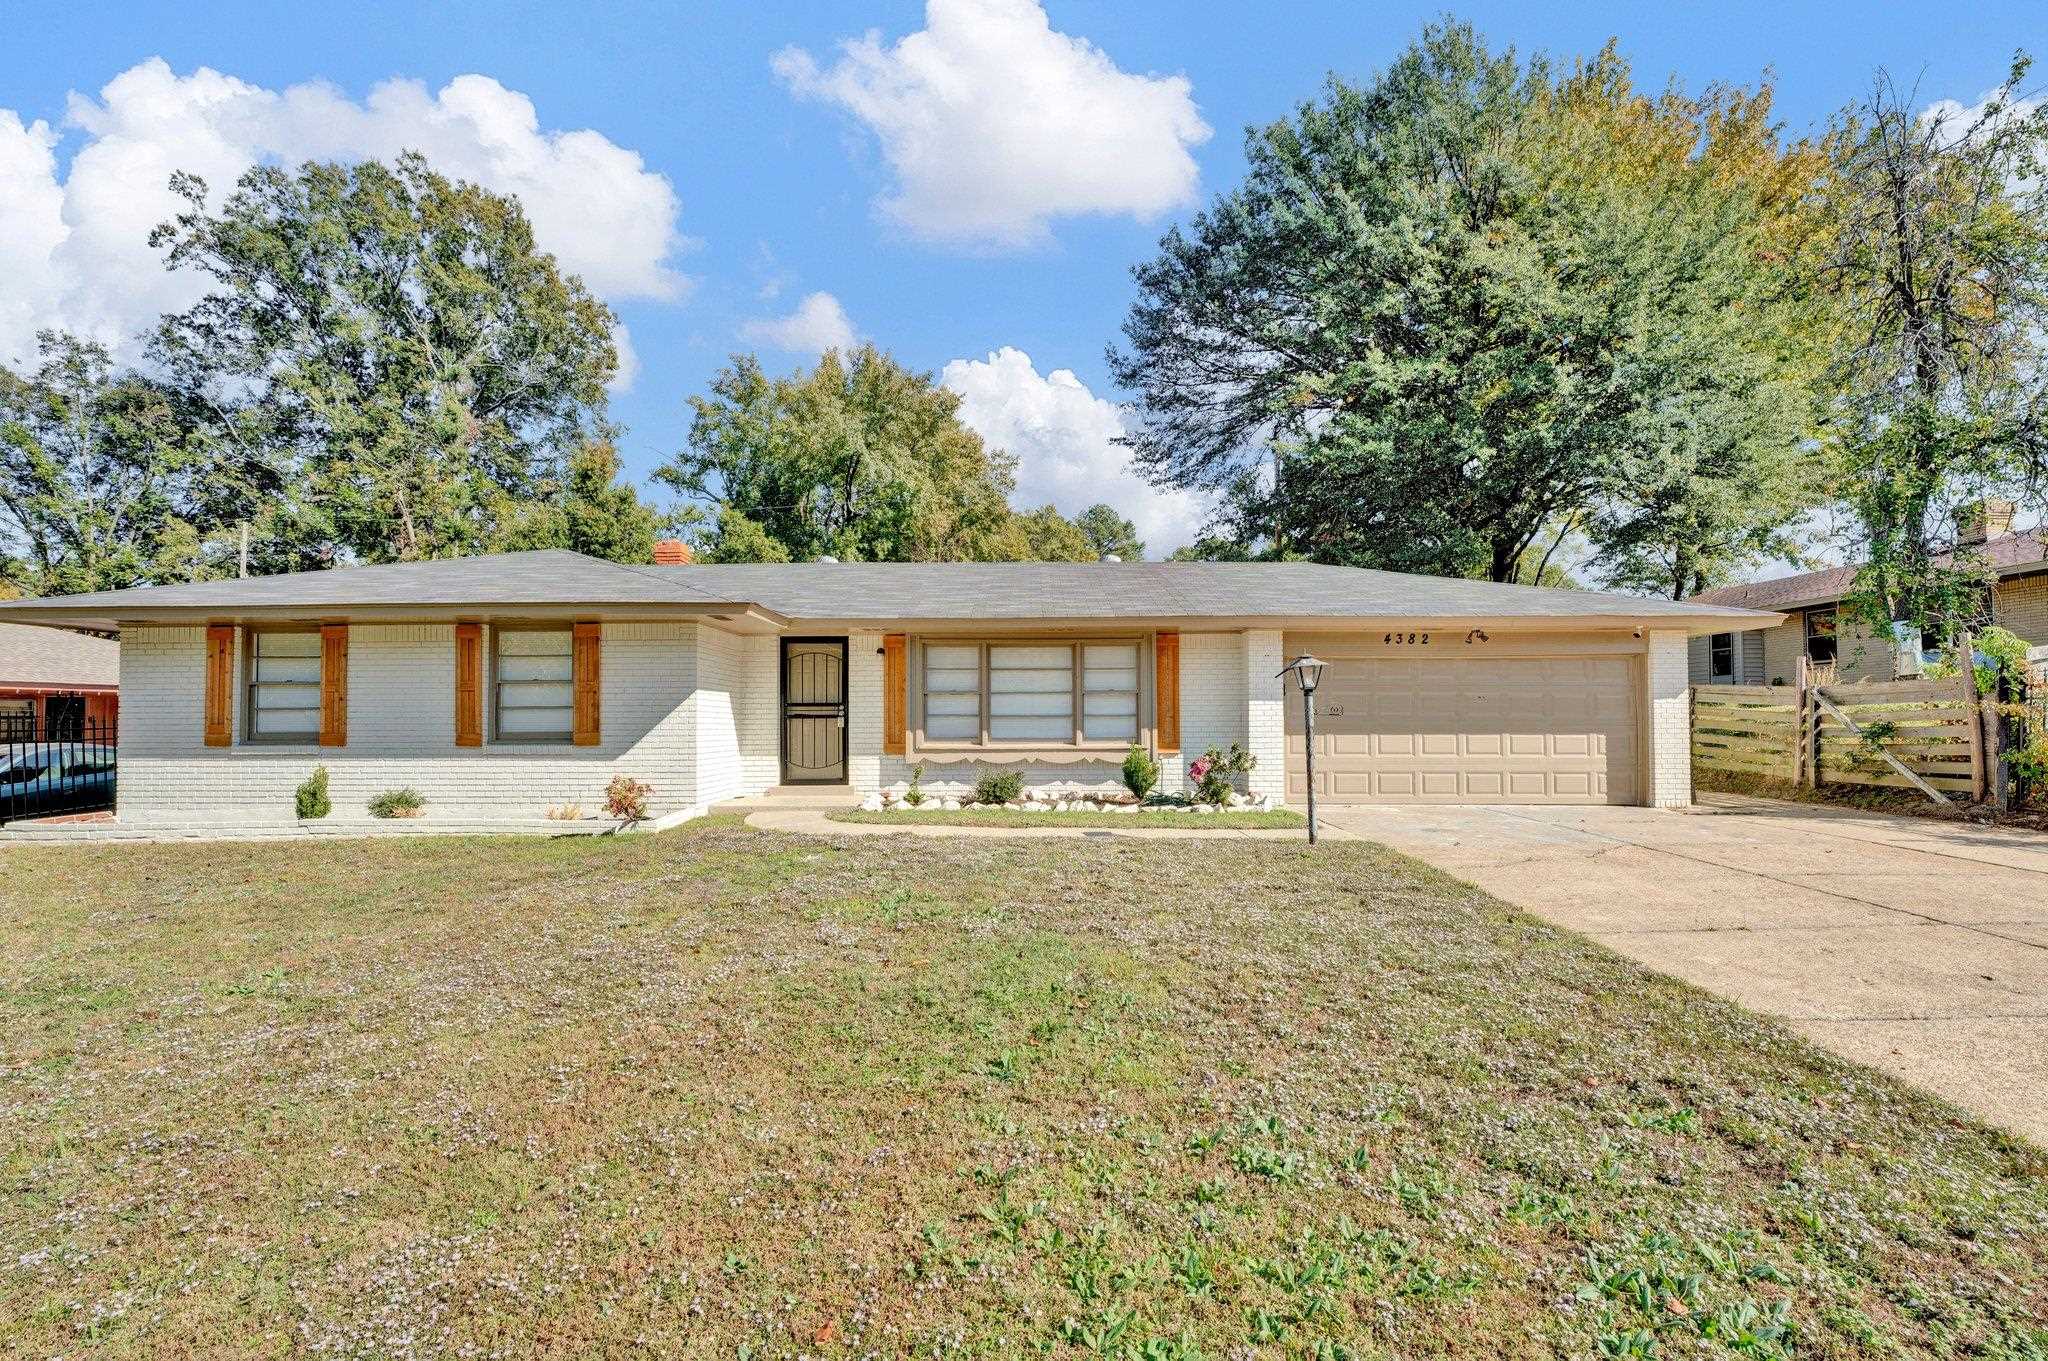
814, 711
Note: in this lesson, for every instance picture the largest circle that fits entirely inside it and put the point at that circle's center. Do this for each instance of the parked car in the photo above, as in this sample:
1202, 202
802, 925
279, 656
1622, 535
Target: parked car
41, 778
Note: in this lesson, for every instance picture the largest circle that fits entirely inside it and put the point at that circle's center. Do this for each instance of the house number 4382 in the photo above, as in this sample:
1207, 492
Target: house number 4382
1404, 639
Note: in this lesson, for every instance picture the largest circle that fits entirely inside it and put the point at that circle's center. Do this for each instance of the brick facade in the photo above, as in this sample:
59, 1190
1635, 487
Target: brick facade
689, 708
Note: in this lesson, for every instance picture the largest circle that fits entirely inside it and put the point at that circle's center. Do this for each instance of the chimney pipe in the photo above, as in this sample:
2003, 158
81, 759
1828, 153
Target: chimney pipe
1981, 521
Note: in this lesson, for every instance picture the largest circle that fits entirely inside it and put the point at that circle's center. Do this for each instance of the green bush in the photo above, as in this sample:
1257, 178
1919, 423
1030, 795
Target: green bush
398, 803
915, 794
311, 798
999, 786
1141, 772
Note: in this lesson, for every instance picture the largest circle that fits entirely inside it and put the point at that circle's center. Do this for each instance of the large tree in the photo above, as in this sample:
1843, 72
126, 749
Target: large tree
1935, 252
96, 467
1110, 533
1447, 313
860, 458
393, 369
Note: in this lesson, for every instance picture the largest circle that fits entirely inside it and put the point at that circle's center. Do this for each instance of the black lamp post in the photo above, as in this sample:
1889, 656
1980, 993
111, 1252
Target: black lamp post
1308, 672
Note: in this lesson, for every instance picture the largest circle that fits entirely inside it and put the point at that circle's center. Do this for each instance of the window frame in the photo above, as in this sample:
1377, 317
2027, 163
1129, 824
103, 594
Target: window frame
494, 733
1832, 636
252, 635
1720, 644
1076, 742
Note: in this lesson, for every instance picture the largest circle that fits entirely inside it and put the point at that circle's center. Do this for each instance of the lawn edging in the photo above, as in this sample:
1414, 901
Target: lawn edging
1162, 820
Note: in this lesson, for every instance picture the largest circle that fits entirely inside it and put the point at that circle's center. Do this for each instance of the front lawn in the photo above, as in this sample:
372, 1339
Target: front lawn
726, 1093
1274, 820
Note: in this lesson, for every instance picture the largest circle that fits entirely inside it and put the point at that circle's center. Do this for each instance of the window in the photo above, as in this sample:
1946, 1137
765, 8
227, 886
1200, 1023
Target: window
535, 688
1721, 656
1030, 693
284, 685
1820, 635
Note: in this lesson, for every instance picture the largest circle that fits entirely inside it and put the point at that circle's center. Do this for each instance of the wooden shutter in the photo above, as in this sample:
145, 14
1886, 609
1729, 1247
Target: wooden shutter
220, 685
584, 667
469, 685
334, 685
895, 693
1166, 690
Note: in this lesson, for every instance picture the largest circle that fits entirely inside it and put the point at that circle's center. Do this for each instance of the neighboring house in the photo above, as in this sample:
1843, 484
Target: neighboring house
1817, 624
57, 683
498, 686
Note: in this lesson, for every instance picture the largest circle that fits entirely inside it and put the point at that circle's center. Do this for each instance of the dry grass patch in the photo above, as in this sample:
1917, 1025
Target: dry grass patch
725, 1093
1276, 820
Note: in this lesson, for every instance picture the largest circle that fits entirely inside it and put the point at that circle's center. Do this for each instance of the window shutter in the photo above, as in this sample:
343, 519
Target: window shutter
1166, 690
334, 685
584, 666
895, 693
220, 685
469, 685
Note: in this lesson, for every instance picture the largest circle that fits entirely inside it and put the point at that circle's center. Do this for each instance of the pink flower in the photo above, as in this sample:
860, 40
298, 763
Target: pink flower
1199, 770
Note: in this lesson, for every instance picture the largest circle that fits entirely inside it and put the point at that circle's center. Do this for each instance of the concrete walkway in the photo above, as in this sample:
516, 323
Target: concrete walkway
1914, 945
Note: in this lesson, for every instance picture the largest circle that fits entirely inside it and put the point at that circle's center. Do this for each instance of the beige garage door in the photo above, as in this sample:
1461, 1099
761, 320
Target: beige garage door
1473, 730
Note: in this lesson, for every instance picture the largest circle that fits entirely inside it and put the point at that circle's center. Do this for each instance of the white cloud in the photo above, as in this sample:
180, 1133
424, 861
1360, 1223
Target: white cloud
75, 251
994, 124
818, 324
1064, 440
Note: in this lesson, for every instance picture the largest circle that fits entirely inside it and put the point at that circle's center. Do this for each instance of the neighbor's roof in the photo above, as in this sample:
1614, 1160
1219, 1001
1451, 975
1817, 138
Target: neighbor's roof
2006, 555
43, 659
555, 581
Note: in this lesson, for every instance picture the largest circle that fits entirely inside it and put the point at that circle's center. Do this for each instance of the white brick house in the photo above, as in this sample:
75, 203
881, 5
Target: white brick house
501, 687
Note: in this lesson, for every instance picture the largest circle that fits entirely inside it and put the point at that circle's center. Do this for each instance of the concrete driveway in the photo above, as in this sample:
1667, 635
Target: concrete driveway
1917, 946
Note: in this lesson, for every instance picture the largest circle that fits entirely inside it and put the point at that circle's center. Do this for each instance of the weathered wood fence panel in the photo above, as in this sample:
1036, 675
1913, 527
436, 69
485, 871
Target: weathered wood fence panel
1786, 732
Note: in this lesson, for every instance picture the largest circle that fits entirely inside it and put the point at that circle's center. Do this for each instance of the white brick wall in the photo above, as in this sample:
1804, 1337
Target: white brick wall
1670, 720
1265, 728
658, 724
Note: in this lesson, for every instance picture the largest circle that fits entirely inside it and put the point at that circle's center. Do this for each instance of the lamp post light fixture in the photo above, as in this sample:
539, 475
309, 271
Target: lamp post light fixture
1307, 671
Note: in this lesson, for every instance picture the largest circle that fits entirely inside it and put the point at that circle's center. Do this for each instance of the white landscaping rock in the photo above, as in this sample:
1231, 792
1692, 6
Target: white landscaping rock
951, 805
871, 804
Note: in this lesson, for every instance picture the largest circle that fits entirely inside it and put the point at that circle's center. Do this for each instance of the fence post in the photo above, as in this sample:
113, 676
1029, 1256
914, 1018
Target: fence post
1966, 653
1806, 730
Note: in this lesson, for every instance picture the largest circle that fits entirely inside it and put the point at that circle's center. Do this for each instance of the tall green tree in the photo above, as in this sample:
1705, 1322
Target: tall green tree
1446, 313
1109, 532
1048, 536
392, 367
1935, 252
860, 458
96, 467
593, 512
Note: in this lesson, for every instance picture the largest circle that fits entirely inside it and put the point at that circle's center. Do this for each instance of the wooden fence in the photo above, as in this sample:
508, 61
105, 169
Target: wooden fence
1924, 735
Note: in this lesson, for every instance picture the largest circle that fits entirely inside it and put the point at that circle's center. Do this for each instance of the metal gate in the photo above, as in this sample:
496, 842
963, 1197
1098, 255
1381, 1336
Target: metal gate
814, 711
60, 764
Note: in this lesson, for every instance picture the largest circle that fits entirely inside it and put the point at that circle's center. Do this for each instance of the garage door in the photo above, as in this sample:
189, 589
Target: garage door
1473, 730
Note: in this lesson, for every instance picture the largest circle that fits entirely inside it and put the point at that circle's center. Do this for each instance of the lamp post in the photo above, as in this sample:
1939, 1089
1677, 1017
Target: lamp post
1308, 672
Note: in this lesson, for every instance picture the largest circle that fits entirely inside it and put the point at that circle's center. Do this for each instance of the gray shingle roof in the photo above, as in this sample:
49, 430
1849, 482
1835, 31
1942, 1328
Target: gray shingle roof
35, 659
549, 576
857, 591
2007, 555
1026, 590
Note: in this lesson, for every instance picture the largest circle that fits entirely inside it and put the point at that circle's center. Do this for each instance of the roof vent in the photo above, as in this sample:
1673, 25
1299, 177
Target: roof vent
1111, 557
826, 557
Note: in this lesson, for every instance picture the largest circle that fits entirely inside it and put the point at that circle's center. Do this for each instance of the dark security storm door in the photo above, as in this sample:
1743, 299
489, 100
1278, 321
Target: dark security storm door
814, 711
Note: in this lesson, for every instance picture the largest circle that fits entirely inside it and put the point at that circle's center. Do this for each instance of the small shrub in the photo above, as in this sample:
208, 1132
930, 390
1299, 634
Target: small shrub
1141, 772
999, 786
311, 798
915, 794
1215, 772
625, 798
398, 803
563, 812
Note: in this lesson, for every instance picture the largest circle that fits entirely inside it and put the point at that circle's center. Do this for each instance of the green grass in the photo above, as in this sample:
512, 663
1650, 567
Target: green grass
1009, 817
726, 1093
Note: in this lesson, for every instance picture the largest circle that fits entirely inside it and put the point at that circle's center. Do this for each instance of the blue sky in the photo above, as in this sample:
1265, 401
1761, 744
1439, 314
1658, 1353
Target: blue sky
979, 191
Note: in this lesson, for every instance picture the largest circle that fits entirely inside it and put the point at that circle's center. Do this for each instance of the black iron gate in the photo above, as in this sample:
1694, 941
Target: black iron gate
63, 764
